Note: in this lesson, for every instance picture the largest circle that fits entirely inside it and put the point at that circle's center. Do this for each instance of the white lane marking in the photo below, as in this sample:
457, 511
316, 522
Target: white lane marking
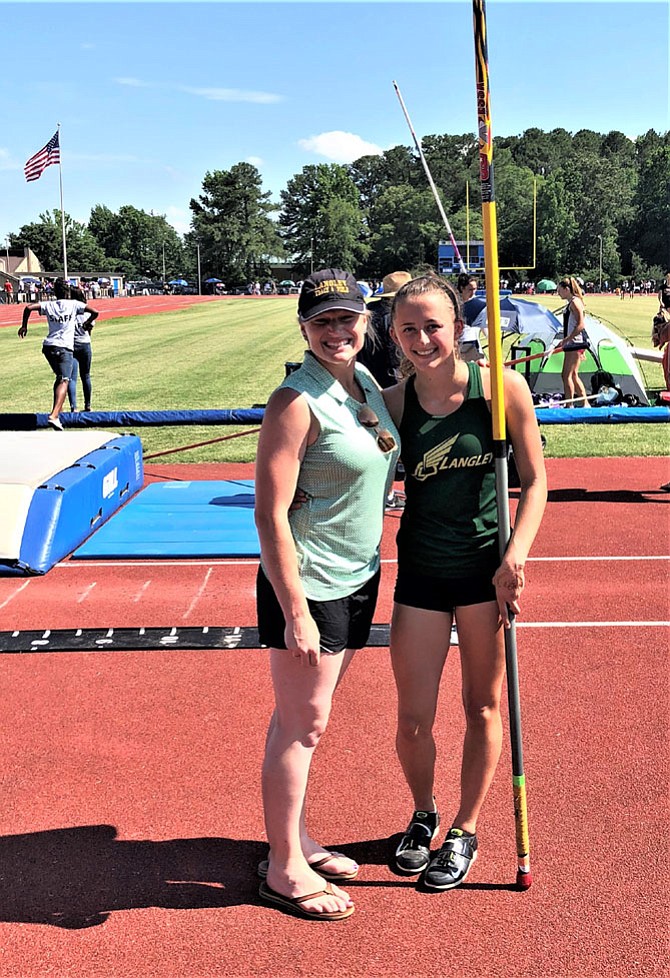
253, 561
85, 593
592, 624
141, 591
12, 596
608, 559
198, 594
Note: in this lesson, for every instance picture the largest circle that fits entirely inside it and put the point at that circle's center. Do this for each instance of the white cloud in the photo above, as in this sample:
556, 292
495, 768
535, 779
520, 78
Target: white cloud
211, 94
87, 46
340, 147
256, 161
230, 94
132, 82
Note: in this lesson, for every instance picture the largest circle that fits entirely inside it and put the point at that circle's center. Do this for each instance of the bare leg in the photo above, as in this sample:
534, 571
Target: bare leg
310, 847
419, 647
303, 698
566, 377
483, 668
60, 393
571, 380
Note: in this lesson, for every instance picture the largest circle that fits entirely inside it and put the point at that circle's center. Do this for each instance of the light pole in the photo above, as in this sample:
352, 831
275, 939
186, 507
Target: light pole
199, 282
311, 256
600, 264
163, 262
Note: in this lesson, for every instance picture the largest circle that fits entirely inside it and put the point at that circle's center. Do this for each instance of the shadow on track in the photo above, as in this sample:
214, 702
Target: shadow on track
579, 495
74, 878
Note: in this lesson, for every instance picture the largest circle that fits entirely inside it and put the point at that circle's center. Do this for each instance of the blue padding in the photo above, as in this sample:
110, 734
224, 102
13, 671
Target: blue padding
181, 519
140, 419
603, 415
69, 506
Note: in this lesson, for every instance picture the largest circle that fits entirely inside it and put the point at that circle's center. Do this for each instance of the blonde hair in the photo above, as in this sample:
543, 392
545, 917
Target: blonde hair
571, 283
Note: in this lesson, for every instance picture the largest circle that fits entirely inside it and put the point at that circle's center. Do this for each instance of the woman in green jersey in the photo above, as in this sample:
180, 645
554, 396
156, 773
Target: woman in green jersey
449, 565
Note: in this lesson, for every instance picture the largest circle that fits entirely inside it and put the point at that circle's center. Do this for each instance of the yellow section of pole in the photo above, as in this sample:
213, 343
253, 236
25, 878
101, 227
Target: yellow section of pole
490, 226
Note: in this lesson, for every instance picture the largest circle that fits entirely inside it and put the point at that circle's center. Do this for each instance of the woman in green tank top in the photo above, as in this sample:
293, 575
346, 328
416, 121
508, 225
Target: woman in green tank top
448, 563
326, 430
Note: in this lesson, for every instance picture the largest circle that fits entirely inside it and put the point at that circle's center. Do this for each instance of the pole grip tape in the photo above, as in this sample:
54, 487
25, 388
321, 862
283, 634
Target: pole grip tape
521, 822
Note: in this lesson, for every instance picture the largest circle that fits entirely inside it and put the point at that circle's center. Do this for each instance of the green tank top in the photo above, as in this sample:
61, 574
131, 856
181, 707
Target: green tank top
449, 525
347, 477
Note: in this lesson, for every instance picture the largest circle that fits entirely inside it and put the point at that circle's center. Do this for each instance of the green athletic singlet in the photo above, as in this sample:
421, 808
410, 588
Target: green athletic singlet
450, 523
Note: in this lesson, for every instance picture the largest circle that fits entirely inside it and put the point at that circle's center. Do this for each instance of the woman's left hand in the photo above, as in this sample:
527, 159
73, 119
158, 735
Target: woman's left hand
509, 581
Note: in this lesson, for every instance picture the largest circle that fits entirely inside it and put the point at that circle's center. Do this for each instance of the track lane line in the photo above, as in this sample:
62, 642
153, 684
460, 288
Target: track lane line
86, 592
12, 596
198, 594
593, 624
252, 561
141, 591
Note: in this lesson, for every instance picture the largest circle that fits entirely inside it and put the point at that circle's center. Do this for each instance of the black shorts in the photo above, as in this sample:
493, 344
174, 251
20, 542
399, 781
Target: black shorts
343, 623
579, 344
444, 593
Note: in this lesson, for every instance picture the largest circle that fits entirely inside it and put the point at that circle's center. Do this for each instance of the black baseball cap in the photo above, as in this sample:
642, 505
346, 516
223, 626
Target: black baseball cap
331, 288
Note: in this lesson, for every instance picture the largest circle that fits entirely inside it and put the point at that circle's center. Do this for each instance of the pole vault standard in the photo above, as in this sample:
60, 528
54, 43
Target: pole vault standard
431, 182
523, 876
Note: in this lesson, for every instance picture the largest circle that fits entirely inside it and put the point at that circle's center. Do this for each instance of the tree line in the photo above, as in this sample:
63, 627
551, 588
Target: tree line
602, 204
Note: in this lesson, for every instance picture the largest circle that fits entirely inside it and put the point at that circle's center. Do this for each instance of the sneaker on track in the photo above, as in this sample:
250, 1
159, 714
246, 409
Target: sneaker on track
453, 862
413, 852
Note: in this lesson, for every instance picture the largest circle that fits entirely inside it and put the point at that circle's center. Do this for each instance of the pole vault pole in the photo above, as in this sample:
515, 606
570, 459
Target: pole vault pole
431, 182
523, 876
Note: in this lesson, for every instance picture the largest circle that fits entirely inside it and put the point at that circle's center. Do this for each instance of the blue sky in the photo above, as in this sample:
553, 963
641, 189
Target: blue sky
152, 95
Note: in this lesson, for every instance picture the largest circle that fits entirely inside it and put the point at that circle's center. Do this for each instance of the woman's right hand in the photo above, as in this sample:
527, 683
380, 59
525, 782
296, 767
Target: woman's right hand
299, 500
303, 641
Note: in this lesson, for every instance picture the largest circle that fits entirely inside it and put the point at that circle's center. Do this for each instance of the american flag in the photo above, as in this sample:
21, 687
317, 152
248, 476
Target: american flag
38, 163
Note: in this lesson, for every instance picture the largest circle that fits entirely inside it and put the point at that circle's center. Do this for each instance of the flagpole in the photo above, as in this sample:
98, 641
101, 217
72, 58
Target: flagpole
62, 212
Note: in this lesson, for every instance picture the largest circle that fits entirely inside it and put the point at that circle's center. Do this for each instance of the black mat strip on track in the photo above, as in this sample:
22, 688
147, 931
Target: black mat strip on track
145, 639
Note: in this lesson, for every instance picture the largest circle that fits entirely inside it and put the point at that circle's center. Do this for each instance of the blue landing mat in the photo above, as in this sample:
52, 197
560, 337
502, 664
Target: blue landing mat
180, 519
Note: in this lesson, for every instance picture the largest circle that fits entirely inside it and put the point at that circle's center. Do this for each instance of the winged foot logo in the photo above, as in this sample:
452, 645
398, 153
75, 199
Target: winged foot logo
437, 460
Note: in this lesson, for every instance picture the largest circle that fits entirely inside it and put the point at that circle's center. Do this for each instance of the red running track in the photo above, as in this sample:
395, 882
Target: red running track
138, 305
131, 823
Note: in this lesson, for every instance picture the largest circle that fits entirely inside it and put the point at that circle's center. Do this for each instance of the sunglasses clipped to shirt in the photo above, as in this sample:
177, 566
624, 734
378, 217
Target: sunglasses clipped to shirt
385, 440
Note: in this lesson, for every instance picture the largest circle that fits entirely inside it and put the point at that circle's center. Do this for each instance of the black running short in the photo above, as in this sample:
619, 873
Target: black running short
444, 593
343, 623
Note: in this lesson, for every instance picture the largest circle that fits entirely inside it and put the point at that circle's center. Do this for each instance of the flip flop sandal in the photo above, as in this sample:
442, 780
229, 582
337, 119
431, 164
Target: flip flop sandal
294, 904
262, 869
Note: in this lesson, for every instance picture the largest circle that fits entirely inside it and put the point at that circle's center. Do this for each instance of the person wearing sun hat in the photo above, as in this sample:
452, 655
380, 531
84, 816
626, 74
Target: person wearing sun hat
326, 434
380, 354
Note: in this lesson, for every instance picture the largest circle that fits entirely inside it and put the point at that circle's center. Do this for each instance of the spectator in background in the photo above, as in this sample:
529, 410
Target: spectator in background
664, 293
58, 346
575, 340
470, 349
379, 353
9, 291
81, 362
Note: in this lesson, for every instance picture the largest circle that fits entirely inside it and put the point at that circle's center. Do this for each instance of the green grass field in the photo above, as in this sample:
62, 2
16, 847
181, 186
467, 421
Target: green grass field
231, 355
